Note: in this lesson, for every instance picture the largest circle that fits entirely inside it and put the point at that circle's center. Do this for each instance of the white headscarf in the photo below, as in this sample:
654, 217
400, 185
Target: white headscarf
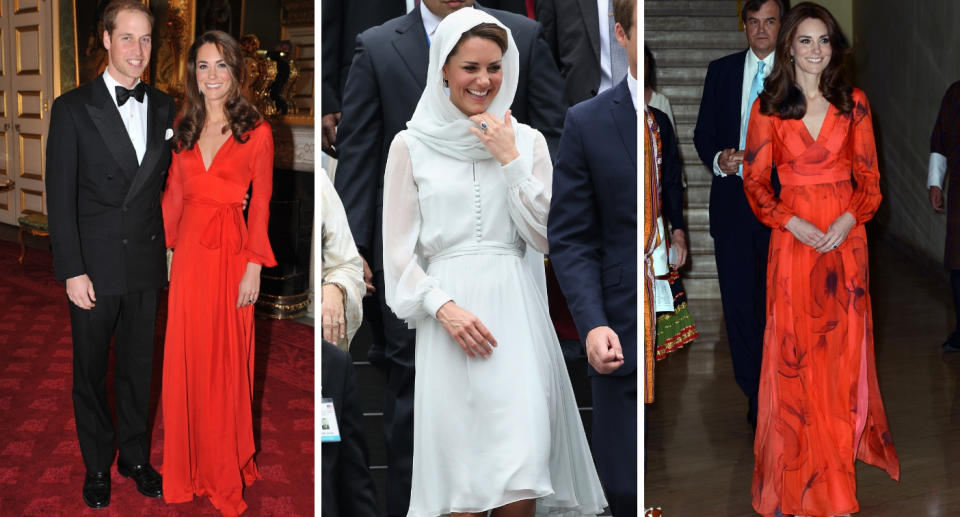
437, 122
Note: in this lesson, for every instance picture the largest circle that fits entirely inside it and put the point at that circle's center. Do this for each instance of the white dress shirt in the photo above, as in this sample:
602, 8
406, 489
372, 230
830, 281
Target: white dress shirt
603, 13
749, 71
133, 113
632, 86
936, 170
430, 20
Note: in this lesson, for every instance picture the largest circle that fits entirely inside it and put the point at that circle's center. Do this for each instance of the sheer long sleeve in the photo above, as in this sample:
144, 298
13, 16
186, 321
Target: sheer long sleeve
757, 168
172, 204
258, 248
529, 194
410, 292
340, 261
866, 198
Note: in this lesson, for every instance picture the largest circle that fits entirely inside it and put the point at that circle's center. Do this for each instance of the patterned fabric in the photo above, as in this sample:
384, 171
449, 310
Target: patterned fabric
819, 402
34, 221
651, 239
945, 140
675, 329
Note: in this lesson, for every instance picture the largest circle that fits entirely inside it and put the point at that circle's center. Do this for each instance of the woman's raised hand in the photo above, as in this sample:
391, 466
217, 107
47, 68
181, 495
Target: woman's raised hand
466, 329
496, 135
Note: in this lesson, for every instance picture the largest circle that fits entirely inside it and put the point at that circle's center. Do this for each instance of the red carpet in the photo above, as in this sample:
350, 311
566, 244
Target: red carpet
41, 471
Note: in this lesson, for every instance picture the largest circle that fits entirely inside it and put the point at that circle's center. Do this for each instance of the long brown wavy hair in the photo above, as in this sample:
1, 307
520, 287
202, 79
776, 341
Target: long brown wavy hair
781, 96
241, 114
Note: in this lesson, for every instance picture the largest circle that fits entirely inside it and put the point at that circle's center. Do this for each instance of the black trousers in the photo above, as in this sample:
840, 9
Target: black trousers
396, 343
742, 272
614, 440
955, 288
130, 320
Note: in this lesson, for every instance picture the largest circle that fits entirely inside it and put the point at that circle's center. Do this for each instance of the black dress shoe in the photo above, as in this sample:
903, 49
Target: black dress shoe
96, 490
149, 482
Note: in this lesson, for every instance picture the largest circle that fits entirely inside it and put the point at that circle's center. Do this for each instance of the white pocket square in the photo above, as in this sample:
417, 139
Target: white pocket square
168, 135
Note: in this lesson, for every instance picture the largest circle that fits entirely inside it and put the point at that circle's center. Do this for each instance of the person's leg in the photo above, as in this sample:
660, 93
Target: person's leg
524, 508
615, 440
952, 344
133, 347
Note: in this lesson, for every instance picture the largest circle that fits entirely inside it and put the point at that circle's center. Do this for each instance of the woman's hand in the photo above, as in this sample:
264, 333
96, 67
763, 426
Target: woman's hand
804, 231
498, 137
332, 318
249, 286
466, 329
836, 233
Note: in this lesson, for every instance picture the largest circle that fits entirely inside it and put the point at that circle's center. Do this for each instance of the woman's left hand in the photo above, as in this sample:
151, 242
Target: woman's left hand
836, 233
498, 137
249, 286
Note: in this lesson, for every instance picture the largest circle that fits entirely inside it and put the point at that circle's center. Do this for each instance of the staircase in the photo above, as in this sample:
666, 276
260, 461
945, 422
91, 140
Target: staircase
684, 36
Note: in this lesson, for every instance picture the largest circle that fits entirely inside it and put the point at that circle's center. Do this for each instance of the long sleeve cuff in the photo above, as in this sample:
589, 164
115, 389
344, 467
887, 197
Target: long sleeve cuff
716, 165
936, 170
435, 299
517, 171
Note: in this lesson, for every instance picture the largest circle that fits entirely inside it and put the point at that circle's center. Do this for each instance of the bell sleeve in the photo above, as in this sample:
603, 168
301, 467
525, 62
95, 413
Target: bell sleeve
257, 248
340, 263
172, 203
866, 174
757, 168
410, 292
530, 187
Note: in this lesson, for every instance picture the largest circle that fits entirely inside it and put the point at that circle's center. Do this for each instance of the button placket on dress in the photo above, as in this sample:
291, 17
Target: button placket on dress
478, 215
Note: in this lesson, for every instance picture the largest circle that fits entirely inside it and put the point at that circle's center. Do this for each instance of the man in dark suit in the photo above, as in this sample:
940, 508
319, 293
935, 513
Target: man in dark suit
580, 35
740, 240
107, 157
593, 246
341, 21
386, 80
347, 486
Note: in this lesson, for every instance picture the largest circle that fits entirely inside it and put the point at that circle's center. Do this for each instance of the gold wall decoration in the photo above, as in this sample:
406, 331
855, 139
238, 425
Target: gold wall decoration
172, 35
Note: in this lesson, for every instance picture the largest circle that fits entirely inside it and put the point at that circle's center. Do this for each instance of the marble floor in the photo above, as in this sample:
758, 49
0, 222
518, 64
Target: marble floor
699, 447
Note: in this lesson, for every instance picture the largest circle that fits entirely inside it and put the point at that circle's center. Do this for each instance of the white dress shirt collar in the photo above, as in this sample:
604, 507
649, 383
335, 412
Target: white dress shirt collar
113, 83
430, 20
632, 86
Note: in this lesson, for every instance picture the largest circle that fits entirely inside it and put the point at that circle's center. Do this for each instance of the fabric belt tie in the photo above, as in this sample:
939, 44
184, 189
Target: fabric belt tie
478, 248
226, 226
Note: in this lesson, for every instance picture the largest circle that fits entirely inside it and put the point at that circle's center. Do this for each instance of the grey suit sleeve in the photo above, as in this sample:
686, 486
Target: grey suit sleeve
545, 92
61, 186
360, 139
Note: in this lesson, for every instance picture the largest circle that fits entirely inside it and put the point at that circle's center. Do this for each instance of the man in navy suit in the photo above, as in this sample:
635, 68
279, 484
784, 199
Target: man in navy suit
385, 81
592, 231
740, 240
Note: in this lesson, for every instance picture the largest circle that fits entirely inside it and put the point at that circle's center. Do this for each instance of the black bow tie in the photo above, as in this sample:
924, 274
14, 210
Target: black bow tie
137, 92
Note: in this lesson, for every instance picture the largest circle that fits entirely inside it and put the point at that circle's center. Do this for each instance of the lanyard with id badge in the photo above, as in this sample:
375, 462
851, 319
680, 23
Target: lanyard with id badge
329, 430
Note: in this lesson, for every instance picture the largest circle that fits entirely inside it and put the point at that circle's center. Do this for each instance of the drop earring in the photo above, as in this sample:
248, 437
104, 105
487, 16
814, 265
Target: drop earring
445, 83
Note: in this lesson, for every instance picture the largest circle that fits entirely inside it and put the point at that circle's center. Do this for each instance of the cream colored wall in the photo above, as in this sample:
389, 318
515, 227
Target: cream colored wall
842, 10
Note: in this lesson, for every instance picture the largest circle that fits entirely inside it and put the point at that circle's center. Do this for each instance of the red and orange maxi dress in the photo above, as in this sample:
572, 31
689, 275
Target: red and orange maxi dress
208, 356
819, 402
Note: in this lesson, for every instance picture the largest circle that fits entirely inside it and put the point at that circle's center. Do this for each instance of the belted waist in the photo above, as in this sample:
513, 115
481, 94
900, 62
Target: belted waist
477, 248
226, 226
791, 177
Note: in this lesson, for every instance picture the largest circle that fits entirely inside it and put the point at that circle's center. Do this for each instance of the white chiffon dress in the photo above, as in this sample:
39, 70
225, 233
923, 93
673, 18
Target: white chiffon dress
487, 431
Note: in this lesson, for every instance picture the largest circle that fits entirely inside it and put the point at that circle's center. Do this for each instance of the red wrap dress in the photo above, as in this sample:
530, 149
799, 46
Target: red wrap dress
208, 358
819, 402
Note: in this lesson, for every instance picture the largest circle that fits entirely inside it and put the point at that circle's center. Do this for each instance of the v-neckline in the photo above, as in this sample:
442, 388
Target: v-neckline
823, 123
213, 160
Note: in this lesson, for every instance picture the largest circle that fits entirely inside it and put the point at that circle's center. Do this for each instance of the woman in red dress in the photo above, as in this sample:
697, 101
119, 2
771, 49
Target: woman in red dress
222, 146
819, 402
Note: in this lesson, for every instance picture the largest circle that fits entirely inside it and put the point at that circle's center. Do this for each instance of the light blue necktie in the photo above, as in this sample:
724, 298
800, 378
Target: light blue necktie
755, 88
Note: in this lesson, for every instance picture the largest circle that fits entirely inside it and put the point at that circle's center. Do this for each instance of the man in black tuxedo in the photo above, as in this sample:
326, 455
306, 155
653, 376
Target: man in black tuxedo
589, 58
592, 231
347, 486
386, 80
341, 21
740, 240
107, 156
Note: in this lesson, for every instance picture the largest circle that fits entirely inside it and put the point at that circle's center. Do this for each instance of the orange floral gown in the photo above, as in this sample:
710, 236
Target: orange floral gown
208, 355
819, 402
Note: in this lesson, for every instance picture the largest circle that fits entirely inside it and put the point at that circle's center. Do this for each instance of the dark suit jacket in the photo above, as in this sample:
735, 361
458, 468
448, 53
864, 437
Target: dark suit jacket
513, 6
347, 486
571, 28
593, 217
342, 20
386, 79
671, 182
104, 209
718, 128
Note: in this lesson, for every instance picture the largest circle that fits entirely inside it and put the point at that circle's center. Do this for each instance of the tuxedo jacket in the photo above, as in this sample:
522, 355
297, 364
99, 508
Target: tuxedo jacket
592, 226
571, 28
386, 79
104, 208
347, 486
342, 20
718, 128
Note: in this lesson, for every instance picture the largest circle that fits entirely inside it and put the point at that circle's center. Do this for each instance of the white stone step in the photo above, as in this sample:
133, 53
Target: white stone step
703, 39
682, 94
730, 22
667, 75
702, 8
700, 289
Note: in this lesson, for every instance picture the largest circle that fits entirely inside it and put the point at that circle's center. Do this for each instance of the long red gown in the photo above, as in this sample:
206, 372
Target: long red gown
208, 353
819, 402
